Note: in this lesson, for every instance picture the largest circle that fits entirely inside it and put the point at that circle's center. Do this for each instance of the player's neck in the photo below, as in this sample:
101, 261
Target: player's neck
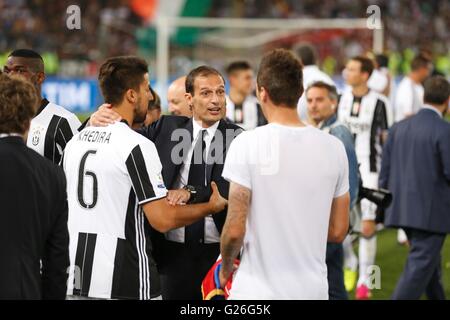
360, 90
284, 116
414, 77
236, 96
126, 112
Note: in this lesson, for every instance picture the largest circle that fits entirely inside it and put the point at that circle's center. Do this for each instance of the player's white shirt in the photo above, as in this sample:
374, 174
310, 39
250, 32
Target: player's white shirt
110, 172
378, 80
294, 174
311, 74
249, 112
50, 131
408, 98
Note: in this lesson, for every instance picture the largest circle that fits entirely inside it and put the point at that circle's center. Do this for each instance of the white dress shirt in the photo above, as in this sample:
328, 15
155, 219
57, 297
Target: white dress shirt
211, 233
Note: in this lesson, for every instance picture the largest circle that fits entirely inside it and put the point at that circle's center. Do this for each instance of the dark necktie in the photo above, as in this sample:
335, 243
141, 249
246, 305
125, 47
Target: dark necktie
195, 232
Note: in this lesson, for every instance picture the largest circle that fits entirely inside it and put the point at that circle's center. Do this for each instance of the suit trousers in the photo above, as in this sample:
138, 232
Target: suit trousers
183, 268
422, 273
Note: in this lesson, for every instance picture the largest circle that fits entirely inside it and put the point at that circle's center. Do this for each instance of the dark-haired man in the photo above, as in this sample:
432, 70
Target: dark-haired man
311, 73
409, 94
282, 210
367, 114
53, 126
242, 107
116, 191
416, 169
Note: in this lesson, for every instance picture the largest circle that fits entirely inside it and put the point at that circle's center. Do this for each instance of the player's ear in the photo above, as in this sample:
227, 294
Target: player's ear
40, 78
188, 97
131, 95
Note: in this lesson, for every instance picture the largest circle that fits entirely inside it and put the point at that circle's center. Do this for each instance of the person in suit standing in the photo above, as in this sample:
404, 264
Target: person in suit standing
33, 217
416, 169
186, 254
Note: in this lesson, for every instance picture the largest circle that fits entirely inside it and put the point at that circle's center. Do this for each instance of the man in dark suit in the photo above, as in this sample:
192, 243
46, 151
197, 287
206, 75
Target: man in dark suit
416, 169
33, 214
189, 164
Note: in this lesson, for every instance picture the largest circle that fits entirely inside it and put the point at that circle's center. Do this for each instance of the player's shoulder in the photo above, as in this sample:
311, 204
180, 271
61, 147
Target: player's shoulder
59, 111
379, 97
130, 139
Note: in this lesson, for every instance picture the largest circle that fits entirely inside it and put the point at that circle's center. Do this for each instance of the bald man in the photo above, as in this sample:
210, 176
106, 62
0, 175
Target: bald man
53, 126
178, 104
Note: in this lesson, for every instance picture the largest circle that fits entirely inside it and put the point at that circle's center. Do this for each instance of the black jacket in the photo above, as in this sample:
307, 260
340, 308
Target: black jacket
33, 224
161, 133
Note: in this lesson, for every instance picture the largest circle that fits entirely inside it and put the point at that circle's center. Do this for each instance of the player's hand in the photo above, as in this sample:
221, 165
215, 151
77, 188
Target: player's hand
368, 228
104, 116
178, 197
223, 277
225, 274
217, 202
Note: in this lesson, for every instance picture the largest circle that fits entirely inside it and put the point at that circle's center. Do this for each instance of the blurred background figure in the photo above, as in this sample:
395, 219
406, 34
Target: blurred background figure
242, 106
409, 95
381, 79
311, 73
178, 104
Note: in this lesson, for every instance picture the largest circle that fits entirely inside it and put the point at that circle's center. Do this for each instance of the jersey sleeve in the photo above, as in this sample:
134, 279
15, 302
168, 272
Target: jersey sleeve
342, 185
144, 168
237, 168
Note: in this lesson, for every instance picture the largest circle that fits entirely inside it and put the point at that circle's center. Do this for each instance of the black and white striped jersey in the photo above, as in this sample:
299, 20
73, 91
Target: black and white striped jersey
51, 129
367, 117
110, 172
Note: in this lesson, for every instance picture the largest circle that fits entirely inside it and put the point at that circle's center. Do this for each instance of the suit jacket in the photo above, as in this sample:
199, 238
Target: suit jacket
166, 141
33, 224
416, 169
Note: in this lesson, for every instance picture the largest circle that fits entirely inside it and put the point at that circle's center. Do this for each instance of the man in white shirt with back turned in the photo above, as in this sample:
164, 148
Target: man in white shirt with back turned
288, 195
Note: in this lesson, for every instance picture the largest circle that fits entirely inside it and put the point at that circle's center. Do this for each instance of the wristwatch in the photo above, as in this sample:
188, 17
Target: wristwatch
191, 190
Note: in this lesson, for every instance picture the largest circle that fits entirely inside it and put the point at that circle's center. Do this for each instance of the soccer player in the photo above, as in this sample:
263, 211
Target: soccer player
53, 126
409, 94
311, 73
288, 195
116, 191
243, 108
367, 115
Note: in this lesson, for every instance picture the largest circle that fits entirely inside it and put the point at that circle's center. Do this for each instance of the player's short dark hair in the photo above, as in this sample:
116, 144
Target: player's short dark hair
30, 54
156, 102
366, 64
119, 74
202, 71
281, 75
332, 92
18, 104
307, 54
436, 90
420, 61
238, 66
382, 60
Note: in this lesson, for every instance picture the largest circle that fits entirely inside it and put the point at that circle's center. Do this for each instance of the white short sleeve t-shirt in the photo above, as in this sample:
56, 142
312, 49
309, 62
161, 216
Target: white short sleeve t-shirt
293, 173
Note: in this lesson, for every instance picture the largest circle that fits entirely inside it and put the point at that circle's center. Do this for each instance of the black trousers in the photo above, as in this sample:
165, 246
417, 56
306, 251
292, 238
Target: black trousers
422, 273
335, 267
184, 267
